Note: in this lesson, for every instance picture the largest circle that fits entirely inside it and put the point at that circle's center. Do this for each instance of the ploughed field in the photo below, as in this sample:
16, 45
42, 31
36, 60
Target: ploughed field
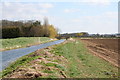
105, 48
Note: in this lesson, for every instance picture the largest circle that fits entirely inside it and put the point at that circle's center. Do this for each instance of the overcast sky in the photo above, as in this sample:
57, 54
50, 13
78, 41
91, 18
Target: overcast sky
92, 16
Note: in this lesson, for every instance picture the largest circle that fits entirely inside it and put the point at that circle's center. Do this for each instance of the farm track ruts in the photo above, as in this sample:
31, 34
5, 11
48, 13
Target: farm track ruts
107, 49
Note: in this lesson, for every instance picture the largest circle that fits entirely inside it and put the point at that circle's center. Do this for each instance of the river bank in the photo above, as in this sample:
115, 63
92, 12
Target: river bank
22, 42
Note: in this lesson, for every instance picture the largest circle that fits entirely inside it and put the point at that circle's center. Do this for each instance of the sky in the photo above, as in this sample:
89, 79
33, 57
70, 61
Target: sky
92, 16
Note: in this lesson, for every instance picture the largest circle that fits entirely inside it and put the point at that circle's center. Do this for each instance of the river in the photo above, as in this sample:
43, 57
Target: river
10, 56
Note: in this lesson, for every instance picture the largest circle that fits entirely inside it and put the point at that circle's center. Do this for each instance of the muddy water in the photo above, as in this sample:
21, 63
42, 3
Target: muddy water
11, 55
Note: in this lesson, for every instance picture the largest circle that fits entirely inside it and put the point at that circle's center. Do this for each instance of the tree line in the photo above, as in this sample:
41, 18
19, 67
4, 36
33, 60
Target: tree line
30, 28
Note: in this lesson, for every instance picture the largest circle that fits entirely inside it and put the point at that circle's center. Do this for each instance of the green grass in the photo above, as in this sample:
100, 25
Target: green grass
50, 64
20, 62
82, 64
22, 42
55, 65
48, 71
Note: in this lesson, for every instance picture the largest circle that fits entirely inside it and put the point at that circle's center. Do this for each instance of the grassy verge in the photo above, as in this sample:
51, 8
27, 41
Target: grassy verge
82, 64
22, 42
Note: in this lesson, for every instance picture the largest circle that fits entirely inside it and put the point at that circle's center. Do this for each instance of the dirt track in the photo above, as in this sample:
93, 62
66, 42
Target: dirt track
107, 49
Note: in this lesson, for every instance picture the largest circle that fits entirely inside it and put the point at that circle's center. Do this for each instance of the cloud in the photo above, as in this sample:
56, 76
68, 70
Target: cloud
76, 20
27, 5
110, 14
103, 16
47, 5
57, 0
97, 2
71, 10
25, 10
104, 23
0, 10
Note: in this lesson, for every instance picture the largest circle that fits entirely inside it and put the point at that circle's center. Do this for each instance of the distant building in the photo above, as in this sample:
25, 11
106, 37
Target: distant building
84, 34
102, 35
68, 35
117, 35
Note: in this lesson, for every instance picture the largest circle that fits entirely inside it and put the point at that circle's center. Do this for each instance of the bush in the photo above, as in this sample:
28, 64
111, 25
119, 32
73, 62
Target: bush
10, 32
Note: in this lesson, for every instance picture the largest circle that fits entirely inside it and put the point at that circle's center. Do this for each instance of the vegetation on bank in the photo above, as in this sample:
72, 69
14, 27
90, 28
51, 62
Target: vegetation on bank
22, 42
40, 64
70, 59
20, 62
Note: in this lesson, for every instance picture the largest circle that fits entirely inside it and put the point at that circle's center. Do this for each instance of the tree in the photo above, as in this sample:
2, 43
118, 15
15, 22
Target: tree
37, 23
35, 29
52, 31
45, 27
81, 34
30, 28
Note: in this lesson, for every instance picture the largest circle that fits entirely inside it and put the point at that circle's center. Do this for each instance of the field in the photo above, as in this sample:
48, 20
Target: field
70, 59
22, 42
83, 64
105, 48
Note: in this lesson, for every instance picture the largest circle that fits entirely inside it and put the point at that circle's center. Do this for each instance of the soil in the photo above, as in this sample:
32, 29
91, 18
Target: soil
107, 49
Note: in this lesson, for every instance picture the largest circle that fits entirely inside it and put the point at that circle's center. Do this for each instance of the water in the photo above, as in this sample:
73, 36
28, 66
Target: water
11, 55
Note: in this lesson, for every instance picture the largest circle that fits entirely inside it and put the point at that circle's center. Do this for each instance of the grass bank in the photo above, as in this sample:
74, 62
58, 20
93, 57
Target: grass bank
22, 42
82, 64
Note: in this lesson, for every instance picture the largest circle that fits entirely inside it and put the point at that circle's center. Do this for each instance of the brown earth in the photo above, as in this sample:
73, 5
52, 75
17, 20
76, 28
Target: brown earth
106, 49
